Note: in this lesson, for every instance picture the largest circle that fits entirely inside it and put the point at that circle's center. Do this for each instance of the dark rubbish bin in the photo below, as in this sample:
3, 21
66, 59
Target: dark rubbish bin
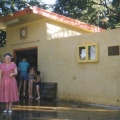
48, 90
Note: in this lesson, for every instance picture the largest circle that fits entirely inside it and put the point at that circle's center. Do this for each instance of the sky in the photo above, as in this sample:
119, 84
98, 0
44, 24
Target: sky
49, 1
53, 1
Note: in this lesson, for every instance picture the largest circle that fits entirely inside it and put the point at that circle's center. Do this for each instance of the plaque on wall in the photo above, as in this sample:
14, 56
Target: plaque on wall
23, 33
113, 50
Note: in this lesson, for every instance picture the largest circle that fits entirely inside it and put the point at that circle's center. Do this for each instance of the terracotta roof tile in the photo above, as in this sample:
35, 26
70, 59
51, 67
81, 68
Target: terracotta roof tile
67, 20
53, 16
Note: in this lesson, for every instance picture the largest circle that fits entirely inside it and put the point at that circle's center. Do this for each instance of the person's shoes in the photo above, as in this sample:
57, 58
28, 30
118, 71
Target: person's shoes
23, 95
31, 97
9, 111
38, 98
5, 111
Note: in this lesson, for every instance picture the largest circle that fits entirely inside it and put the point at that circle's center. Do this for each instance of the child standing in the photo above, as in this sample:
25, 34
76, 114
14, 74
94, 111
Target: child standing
38, 81
30, 80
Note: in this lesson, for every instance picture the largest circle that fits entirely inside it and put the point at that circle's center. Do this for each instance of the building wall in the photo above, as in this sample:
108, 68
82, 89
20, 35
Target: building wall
57, 60
89, 82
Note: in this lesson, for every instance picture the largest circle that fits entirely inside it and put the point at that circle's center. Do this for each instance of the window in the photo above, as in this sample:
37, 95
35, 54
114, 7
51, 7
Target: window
87, 52
2, 38
113, 50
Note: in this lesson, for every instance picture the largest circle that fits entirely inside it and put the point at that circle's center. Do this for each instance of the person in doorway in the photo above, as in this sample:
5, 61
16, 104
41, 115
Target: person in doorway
38, 81
8, 84
23, 67
31, 77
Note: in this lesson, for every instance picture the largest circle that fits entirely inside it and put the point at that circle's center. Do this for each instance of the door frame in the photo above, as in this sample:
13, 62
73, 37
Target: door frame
22, 49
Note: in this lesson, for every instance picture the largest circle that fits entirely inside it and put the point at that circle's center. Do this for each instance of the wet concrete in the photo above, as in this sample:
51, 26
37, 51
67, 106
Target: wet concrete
30, 109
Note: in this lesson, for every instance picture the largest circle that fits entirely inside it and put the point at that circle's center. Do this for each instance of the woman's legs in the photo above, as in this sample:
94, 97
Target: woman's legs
38, 91
20, 85
8, 107
30, 88
24, 87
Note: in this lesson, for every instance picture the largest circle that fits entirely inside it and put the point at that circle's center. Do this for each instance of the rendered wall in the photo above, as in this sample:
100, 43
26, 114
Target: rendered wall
89, 82
57, 60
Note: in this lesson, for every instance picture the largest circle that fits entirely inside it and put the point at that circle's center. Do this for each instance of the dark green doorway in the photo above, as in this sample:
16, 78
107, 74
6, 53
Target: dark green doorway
30, 54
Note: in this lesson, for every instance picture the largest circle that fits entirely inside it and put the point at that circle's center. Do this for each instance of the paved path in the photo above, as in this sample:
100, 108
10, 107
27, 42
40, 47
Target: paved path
58, 110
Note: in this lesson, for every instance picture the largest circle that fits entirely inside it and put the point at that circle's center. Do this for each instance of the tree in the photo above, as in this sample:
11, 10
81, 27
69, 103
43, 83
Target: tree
103, 13
11, 6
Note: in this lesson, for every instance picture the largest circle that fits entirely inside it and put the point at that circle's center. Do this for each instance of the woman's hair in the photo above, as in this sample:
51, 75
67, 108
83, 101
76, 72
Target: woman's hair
12, 59
8, 54
38, 72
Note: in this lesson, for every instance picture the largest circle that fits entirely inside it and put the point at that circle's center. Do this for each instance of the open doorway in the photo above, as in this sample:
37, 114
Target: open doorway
31, 56
29, 53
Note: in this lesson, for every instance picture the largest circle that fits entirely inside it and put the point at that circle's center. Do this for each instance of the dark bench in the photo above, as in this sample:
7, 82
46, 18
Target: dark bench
48, 90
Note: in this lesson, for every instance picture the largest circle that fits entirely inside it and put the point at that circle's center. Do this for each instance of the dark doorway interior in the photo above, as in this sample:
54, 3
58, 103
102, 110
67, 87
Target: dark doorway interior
30, 54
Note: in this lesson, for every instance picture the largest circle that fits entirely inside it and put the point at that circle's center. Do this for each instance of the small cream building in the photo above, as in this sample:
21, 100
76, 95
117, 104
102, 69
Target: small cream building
56, 40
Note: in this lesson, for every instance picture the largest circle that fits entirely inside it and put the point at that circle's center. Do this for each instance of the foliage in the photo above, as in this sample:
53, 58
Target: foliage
2, 38
11, 6
89, 11
103, 13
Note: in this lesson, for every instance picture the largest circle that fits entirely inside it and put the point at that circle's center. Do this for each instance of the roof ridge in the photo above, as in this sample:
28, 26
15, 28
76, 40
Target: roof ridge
54, 16
67, 20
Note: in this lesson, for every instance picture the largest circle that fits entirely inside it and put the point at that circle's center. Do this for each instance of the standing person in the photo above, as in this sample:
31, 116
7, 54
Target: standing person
23, 69
8, 84
38, 81
30, 80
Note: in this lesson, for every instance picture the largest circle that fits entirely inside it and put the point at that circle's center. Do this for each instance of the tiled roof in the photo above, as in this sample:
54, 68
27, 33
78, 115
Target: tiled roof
53, 16
67, 20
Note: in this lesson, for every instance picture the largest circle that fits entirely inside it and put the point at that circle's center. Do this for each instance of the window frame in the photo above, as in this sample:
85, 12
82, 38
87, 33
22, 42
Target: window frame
85, 53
